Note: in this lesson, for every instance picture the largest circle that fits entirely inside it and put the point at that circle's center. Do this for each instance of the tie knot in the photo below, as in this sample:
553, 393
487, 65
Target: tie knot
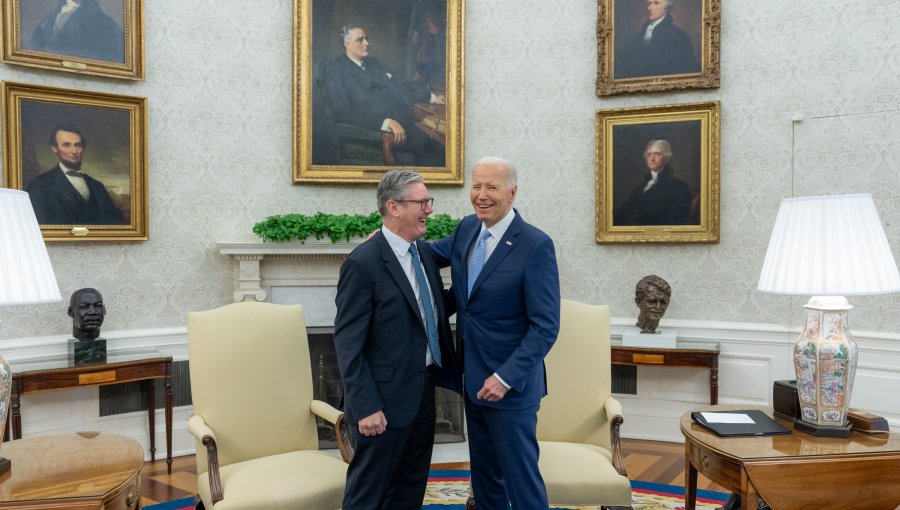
75, 173
413, 249
485, 234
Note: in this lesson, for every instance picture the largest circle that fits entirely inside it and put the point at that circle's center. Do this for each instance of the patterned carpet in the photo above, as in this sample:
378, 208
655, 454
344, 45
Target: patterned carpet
448, 490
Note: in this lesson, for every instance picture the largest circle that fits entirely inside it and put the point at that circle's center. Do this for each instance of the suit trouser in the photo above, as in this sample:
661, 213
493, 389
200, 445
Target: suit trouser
503, 451
390, 471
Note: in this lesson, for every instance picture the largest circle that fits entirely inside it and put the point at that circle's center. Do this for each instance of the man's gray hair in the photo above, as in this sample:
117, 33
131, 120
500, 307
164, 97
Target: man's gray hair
393, 187
345, 31
644, 284
512, 176
664, 146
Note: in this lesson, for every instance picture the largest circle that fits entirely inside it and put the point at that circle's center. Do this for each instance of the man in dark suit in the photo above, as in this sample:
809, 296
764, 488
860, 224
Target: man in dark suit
393, 346
660, 48
362, 92
506, 285
661, 198
65, 195
79, 28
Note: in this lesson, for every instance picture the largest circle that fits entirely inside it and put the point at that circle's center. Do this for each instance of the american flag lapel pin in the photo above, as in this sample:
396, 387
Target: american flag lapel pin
508, 243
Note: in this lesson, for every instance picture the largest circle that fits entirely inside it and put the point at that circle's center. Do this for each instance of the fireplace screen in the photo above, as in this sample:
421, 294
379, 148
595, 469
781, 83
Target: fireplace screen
328, 388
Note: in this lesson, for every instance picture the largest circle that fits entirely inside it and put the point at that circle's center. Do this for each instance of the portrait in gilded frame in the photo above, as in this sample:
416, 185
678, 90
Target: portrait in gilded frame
81, 156
378, 85
658, 174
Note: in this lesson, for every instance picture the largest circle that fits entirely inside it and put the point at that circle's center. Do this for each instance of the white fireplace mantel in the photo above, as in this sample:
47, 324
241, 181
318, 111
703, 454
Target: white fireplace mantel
291, 273
260, 266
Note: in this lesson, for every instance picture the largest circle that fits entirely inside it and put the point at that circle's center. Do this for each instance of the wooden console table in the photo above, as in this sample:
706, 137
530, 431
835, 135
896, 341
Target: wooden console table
58, 373
79, 471
686, 354
796, 471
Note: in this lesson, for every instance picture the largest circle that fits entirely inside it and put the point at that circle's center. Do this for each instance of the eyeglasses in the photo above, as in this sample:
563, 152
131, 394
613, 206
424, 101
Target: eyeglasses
424, 204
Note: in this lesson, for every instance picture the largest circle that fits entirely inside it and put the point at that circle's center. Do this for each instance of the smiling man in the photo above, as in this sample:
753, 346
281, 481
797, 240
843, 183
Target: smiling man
393, 346
65, 194
661, 198
506, 285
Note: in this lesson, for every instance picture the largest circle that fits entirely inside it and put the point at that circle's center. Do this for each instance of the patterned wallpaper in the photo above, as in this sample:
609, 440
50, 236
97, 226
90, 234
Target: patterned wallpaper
219, 89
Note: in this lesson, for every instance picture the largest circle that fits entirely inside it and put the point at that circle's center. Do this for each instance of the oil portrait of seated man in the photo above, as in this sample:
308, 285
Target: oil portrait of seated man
379, 93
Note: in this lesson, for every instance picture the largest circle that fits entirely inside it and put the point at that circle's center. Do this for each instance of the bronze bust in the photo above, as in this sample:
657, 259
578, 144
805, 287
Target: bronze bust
87, 312
651, 295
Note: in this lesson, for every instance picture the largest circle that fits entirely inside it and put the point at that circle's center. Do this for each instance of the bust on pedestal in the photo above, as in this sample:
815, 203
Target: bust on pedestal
87, 312
651, 295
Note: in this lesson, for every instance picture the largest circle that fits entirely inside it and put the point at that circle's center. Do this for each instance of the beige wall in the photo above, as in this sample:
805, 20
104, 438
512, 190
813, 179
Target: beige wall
219, 90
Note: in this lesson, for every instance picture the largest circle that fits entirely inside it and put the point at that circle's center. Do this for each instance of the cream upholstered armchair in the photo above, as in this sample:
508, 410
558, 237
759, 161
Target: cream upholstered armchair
578, 423
254, 415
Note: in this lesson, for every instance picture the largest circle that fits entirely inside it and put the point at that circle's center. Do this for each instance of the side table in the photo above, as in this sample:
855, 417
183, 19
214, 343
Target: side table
58, 373
79, 471
685, 354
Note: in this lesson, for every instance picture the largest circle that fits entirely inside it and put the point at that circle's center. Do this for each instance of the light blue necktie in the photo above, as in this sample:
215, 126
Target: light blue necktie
477, 260
425, 297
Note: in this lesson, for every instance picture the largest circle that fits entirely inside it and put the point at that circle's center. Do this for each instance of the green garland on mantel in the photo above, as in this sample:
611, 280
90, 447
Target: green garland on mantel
337, 227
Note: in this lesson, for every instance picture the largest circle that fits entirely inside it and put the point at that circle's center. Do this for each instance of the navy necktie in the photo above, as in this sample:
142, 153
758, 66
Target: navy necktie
477, 260
425, 297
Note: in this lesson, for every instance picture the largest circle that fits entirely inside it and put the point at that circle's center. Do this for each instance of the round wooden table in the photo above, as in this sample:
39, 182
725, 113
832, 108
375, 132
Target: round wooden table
797, 471
79, 471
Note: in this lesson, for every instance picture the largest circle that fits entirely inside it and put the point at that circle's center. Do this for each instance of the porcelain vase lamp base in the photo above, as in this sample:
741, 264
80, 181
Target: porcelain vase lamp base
825, 358
5, 387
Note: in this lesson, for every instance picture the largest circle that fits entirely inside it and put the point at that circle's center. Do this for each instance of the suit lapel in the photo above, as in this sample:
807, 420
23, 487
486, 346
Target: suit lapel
504, 248
392, 265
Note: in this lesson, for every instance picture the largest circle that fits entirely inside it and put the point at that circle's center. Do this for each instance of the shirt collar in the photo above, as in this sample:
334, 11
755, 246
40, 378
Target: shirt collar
397, 243
657, 22
65, 169
499, 228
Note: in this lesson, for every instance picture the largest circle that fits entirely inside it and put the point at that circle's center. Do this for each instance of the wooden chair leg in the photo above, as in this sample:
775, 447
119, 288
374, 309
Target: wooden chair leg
387, 148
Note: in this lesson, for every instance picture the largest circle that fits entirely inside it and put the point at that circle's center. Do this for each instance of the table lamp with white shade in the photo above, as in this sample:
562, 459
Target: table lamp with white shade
26, 275
827, 247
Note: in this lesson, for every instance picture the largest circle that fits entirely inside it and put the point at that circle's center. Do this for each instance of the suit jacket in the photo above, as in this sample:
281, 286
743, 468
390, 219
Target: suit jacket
668, 202
669, 51
511, 320
366, 97
57, 202
380, 336
88, 33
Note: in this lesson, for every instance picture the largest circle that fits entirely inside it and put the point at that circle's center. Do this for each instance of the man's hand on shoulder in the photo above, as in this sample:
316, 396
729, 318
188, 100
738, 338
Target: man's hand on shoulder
373, 425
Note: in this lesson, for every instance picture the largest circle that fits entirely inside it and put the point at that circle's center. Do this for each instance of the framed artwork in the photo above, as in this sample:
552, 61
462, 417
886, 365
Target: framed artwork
99, 37
658, 174
378, 86
657, 45
82, 158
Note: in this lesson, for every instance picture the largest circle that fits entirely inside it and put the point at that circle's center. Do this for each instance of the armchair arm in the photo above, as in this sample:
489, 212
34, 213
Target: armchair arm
613, 410
198, 428
334, 416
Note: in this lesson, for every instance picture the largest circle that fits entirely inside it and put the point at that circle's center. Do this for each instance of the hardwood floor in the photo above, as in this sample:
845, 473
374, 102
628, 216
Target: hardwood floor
648, 461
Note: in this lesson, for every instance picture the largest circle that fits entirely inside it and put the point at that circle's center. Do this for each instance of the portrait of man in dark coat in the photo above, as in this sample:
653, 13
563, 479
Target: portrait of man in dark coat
659, 48
79, 28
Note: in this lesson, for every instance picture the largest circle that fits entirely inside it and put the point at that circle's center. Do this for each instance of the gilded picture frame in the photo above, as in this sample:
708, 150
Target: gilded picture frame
657, 175
657, 45
413, 58
99, 37
82, 157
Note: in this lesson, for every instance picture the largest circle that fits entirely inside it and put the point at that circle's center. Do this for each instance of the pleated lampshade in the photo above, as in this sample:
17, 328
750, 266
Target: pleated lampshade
26, 275
829, 246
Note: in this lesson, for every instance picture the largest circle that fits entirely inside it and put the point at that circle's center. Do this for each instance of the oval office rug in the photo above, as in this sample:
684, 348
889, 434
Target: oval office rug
448, 490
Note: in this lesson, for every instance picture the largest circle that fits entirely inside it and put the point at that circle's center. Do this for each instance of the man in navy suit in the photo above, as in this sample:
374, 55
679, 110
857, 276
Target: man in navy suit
393, 346
506, 285
66, 195
363, 93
